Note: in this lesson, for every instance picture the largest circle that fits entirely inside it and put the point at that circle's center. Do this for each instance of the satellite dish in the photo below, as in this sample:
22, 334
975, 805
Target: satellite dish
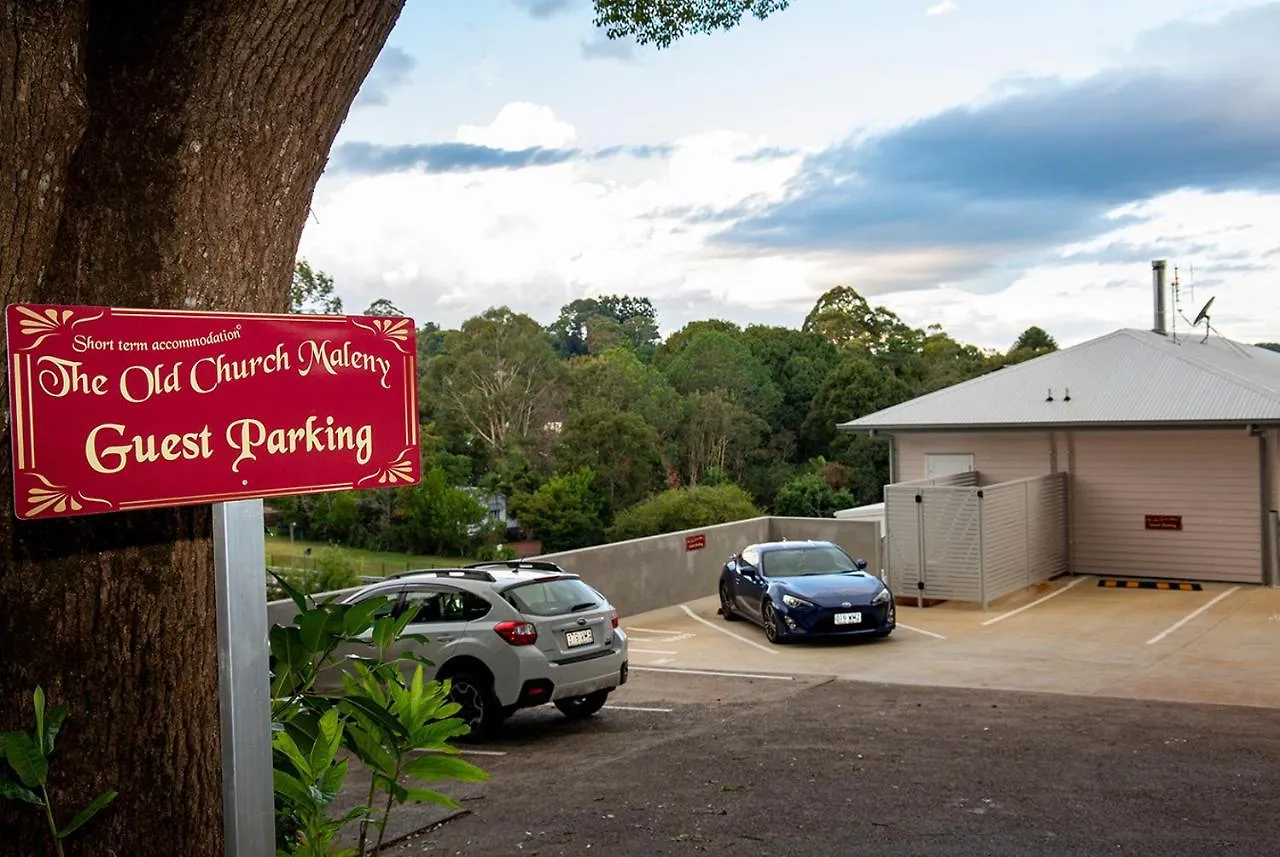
1203, 315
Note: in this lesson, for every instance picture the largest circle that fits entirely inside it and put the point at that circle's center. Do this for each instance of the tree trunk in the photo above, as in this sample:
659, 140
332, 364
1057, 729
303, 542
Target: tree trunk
153, 153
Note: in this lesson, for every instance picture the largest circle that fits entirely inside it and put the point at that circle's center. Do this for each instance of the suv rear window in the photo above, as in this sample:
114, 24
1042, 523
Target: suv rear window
553, 597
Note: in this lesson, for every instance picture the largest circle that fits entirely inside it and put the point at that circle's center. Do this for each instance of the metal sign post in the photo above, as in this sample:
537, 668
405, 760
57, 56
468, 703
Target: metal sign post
244, 692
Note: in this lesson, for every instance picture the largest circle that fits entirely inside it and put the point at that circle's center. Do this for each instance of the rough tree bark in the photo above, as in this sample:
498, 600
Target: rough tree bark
153, 153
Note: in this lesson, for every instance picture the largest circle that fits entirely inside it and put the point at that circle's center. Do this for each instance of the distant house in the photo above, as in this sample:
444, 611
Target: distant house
495, 510
1171, 446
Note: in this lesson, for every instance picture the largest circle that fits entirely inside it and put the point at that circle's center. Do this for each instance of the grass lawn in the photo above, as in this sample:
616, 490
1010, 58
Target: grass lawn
280, 552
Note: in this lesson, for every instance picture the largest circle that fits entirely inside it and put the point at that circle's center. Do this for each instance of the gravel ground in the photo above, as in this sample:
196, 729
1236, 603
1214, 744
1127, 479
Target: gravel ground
814, 768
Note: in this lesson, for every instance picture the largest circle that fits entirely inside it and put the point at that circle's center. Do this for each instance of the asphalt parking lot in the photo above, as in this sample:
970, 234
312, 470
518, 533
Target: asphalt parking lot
1070, 719
699, 764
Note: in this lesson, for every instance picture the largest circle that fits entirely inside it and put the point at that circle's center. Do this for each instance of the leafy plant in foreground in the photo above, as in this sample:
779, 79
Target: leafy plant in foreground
397, 728
28, 757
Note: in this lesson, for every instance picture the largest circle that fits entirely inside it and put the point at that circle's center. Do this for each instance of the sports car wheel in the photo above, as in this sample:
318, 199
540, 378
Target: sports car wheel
772, 624
479, 706
726, 604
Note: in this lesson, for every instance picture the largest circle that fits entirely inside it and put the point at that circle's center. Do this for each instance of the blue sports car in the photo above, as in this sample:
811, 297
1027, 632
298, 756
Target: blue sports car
805, 589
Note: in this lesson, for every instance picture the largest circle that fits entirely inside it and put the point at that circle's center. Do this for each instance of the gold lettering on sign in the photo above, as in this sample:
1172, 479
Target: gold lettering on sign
248, 436
140, 383
329, 358
208, 373
59, 378
104, 456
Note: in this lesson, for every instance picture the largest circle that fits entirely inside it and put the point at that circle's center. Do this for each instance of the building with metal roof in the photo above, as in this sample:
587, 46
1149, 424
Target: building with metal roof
1126, 378
1166, 449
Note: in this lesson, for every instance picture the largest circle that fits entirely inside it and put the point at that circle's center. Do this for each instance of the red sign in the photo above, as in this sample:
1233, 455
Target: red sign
1164, 522
695, 543
118, 409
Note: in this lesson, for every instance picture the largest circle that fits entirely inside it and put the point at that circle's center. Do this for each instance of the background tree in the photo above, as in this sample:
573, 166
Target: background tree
810, 496
383, 307
1031, 343
620, 448
1270, 346
499, 377
564, 513
132, 179
594, 325
311, 291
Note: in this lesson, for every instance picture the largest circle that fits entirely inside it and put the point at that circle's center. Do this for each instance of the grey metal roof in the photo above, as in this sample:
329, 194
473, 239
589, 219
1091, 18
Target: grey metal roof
1129, 377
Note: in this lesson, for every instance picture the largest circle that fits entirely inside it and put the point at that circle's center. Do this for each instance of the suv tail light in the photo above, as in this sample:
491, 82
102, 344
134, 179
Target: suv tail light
517, 633
615, 617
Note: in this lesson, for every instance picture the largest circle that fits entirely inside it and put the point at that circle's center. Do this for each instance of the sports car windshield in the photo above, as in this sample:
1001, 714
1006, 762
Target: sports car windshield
805, 561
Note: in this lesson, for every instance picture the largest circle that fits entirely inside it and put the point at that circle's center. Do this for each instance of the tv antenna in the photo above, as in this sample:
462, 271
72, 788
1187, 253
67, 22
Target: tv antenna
1177, 306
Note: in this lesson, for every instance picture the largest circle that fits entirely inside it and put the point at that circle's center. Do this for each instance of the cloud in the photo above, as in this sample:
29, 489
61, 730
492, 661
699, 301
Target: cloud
359, 157
600, 46
1052, 164
544, 9
390, 71
943, 8
1042, 204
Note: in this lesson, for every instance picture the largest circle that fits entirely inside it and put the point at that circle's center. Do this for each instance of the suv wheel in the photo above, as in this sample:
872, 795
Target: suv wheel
582, 706
480, 708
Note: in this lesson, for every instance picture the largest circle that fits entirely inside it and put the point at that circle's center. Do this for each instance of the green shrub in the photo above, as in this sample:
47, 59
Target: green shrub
684, 509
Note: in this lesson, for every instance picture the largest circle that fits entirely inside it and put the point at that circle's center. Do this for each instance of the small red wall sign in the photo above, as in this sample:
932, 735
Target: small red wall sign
118, 409
695, 543
1164, 522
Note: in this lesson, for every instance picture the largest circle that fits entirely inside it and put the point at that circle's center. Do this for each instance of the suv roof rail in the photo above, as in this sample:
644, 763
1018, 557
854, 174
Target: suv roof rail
518, 564
470, 573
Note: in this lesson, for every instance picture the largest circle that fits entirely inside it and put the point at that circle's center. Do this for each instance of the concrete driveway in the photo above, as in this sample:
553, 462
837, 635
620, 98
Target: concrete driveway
1218, 645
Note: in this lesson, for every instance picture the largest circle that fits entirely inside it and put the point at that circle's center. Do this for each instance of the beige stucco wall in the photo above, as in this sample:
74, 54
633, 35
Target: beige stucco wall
997, 456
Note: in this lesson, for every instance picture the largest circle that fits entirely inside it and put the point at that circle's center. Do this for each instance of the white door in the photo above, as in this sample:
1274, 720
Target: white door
946, 463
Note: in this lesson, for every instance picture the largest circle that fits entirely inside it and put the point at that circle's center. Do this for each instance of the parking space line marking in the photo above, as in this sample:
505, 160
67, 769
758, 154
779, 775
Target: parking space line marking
638, 708
737, 637
653, 651
1193, 614
468, 752
630, 628
921, 631
712, 672
1053, 594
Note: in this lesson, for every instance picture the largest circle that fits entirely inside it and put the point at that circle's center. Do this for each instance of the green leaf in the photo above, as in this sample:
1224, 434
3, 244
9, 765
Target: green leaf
26, 759
285, 744
53, 725
332, 779
326, 747
290, 788
359, 616
428, 796
38, 699
311, 627
365, 744
13, 791
293, 592
380, 716
99, 803
438, 766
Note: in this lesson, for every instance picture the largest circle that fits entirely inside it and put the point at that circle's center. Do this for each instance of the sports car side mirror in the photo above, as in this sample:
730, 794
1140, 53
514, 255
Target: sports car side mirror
860, 564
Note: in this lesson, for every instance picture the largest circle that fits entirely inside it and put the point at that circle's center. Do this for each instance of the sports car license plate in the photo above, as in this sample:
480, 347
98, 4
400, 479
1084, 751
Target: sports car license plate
848, 618
573, 639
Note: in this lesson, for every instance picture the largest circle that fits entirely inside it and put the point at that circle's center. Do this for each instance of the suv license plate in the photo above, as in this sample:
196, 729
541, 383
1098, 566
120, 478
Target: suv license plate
573, 639
848, 618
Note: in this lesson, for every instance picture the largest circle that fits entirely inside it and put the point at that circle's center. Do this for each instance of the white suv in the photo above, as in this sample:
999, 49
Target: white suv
508, 635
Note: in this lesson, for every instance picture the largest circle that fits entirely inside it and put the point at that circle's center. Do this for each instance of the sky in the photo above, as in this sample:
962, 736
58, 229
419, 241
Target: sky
986, 165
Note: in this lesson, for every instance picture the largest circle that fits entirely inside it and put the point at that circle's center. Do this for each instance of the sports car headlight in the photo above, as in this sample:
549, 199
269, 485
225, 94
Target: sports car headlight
792, 601
882, 597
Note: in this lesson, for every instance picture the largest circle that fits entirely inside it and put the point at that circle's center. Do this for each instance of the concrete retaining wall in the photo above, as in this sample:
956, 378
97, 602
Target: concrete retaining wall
660, 571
